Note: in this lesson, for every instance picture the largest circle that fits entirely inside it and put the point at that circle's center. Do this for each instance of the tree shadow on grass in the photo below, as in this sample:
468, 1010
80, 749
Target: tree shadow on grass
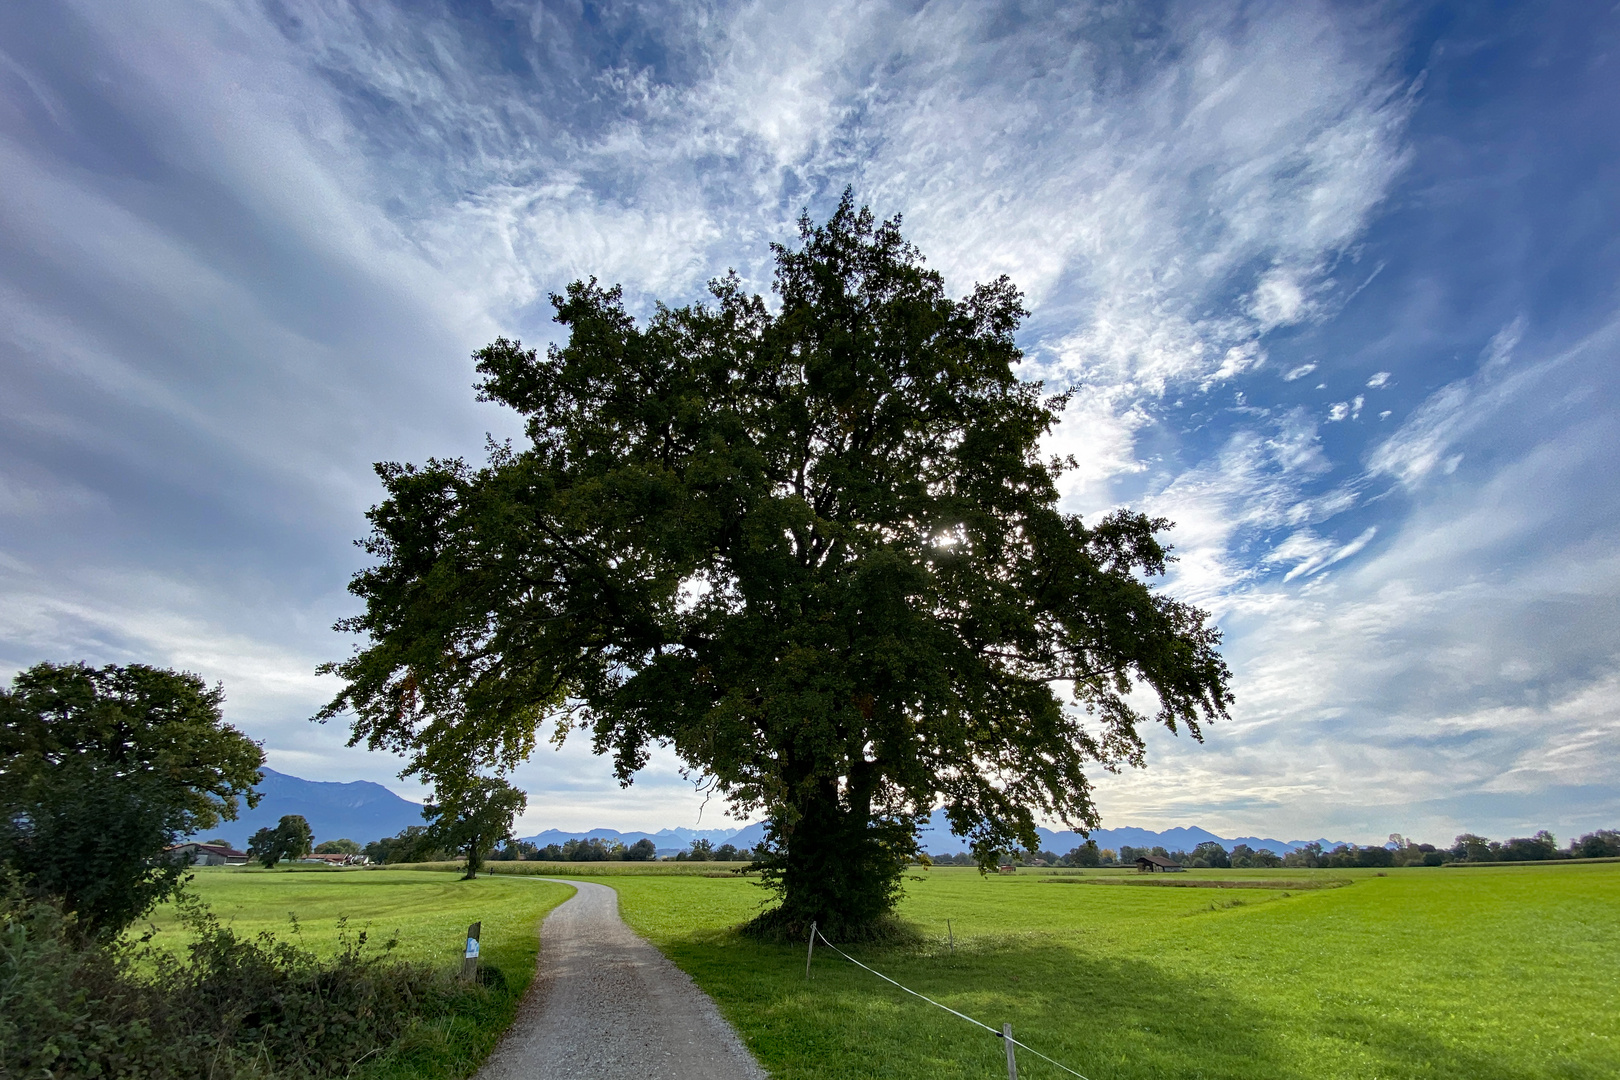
1396, 1049
1104, 1017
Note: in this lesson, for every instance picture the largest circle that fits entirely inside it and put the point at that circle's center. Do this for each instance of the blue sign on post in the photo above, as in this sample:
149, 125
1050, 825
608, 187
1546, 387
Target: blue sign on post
469, 962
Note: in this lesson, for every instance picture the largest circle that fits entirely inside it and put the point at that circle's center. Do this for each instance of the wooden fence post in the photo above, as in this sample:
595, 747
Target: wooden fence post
950, 936
811, 951
1012, 1056
469, 962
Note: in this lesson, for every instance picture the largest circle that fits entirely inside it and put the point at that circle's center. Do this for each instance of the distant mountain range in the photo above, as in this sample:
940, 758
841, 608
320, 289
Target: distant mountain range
936, 838
363, 811
667, 841
358, 810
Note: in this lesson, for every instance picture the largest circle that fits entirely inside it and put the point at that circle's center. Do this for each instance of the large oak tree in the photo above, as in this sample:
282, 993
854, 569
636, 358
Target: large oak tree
817, 551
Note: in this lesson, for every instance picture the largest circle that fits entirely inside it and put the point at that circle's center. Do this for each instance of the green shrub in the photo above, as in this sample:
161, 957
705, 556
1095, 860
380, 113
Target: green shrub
232, 1007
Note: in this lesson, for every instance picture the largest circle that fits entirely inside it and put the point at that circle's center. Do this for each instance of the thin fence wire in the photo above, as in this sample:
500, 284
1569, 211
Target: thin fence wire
963, 1016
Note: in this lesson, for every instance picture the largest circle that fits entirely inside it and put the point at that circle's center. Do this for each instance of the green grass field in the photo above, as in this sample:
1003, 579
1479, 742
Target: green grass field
1484, 974
428, 912
1479, 974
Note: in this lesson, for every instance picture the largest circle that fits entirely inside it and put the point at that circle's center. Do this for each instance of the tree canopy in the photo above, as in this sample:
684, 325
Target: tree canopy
290, 839
472, 816
817, 551
103, 769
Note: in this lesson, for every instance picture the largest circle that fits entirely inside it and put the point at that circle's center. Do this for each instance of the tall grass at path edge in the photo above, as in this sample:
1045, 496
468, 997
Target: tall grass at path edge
428, 913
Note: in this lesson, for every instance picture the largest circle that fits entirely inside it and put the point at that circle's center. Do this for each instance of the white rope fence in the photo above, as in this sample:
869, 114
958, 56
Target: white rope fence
1004, 1034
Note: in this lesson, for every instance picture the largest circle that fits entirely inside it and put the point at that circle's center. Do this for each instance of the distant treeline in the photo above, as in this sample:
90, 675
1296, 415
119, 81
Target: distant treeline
597, 850
413, 846
1467, 848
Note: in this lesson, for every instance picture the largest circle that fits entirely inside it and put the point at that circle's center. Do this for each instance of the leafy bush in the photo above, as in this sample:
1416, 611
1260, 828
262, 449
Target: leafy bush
411, 845
232, 1007
101, 771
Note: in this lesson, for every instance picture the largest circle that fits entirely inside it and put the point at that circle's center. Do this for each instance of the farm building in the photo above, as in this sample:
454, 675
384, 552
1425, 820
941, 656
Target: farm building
210, 854
1154, 864
337, 859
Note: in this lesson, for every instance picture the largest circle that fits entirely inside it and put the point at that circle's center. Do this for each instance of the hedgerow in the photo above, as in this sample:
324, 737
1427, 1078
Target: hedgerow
231, 1008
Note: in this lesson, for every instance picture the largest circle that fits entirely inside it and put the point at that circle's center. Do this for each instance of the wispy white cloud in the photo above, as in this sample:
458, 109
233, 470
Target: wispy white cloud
1451, 680
1421, 444
321, 208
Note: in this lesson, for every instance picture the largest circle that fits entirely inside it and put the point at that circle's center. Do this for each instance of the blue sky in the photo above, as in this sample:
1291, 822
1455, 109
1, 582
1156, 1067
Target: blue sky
1336, 283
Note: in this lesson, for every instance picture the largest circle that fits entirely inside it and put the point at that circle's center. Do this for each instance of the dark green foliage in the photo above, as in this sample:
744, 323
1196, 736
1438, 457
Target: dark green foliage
101, 771
513, 851
703, 850
290, 839
1306, 855
1245, 857
818, 552
337, 847
1345, 856
472, 816
1471, 848
1085, 855
1603, 844
595, 849
262, 847
412, 845
1539, 847
589, 849
1209, 853
231, 1008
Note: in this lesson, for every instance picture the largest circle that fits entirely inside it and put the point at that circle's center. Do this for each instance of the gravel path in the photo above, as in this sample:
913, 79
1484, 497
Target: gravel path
607, 1005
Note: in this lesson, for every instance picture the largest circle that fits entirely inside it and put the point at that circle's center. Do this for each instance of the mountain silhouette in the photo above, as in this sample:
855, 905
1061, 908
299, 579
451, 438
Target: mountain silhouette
358, 810
363, 811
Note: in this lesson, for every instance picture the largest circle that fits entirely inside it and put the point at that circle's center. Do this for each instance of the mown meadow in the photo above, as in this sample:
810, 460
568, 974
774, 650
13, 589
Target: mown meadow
1484, 973
1495, 974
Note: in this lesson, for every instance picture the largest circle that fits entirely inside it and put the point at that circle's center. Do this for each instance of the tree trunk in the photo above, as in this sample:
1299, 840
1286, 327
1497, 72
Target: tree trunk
835, 866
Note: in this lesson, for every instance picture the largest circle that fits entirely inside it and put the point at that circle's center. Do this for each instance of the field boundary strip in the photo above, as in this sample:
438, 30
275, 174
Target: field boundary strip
1295, 886
1006, 1035
1508, 863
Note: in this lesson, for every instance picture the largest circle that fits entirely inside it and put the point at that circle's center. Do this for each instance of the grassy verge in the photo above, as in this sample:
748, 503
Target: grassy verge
428, 914
1490, 975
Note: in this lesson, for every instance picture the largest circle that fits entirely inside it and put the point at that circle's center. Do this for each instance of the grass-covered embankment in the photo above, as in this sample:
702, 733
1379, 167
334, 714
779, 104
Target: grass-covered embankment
429, 915
1479, 975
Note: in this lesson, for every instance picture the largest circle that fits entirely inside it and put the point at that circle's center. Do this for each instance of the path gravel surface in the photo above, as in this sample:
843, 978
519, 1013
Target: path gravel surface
606, 1005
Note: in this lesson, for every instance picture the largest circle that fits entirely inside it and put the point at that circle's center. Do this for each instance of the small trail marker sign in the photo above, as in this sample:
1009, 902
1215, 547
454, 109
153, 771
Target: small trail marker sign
469, 963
